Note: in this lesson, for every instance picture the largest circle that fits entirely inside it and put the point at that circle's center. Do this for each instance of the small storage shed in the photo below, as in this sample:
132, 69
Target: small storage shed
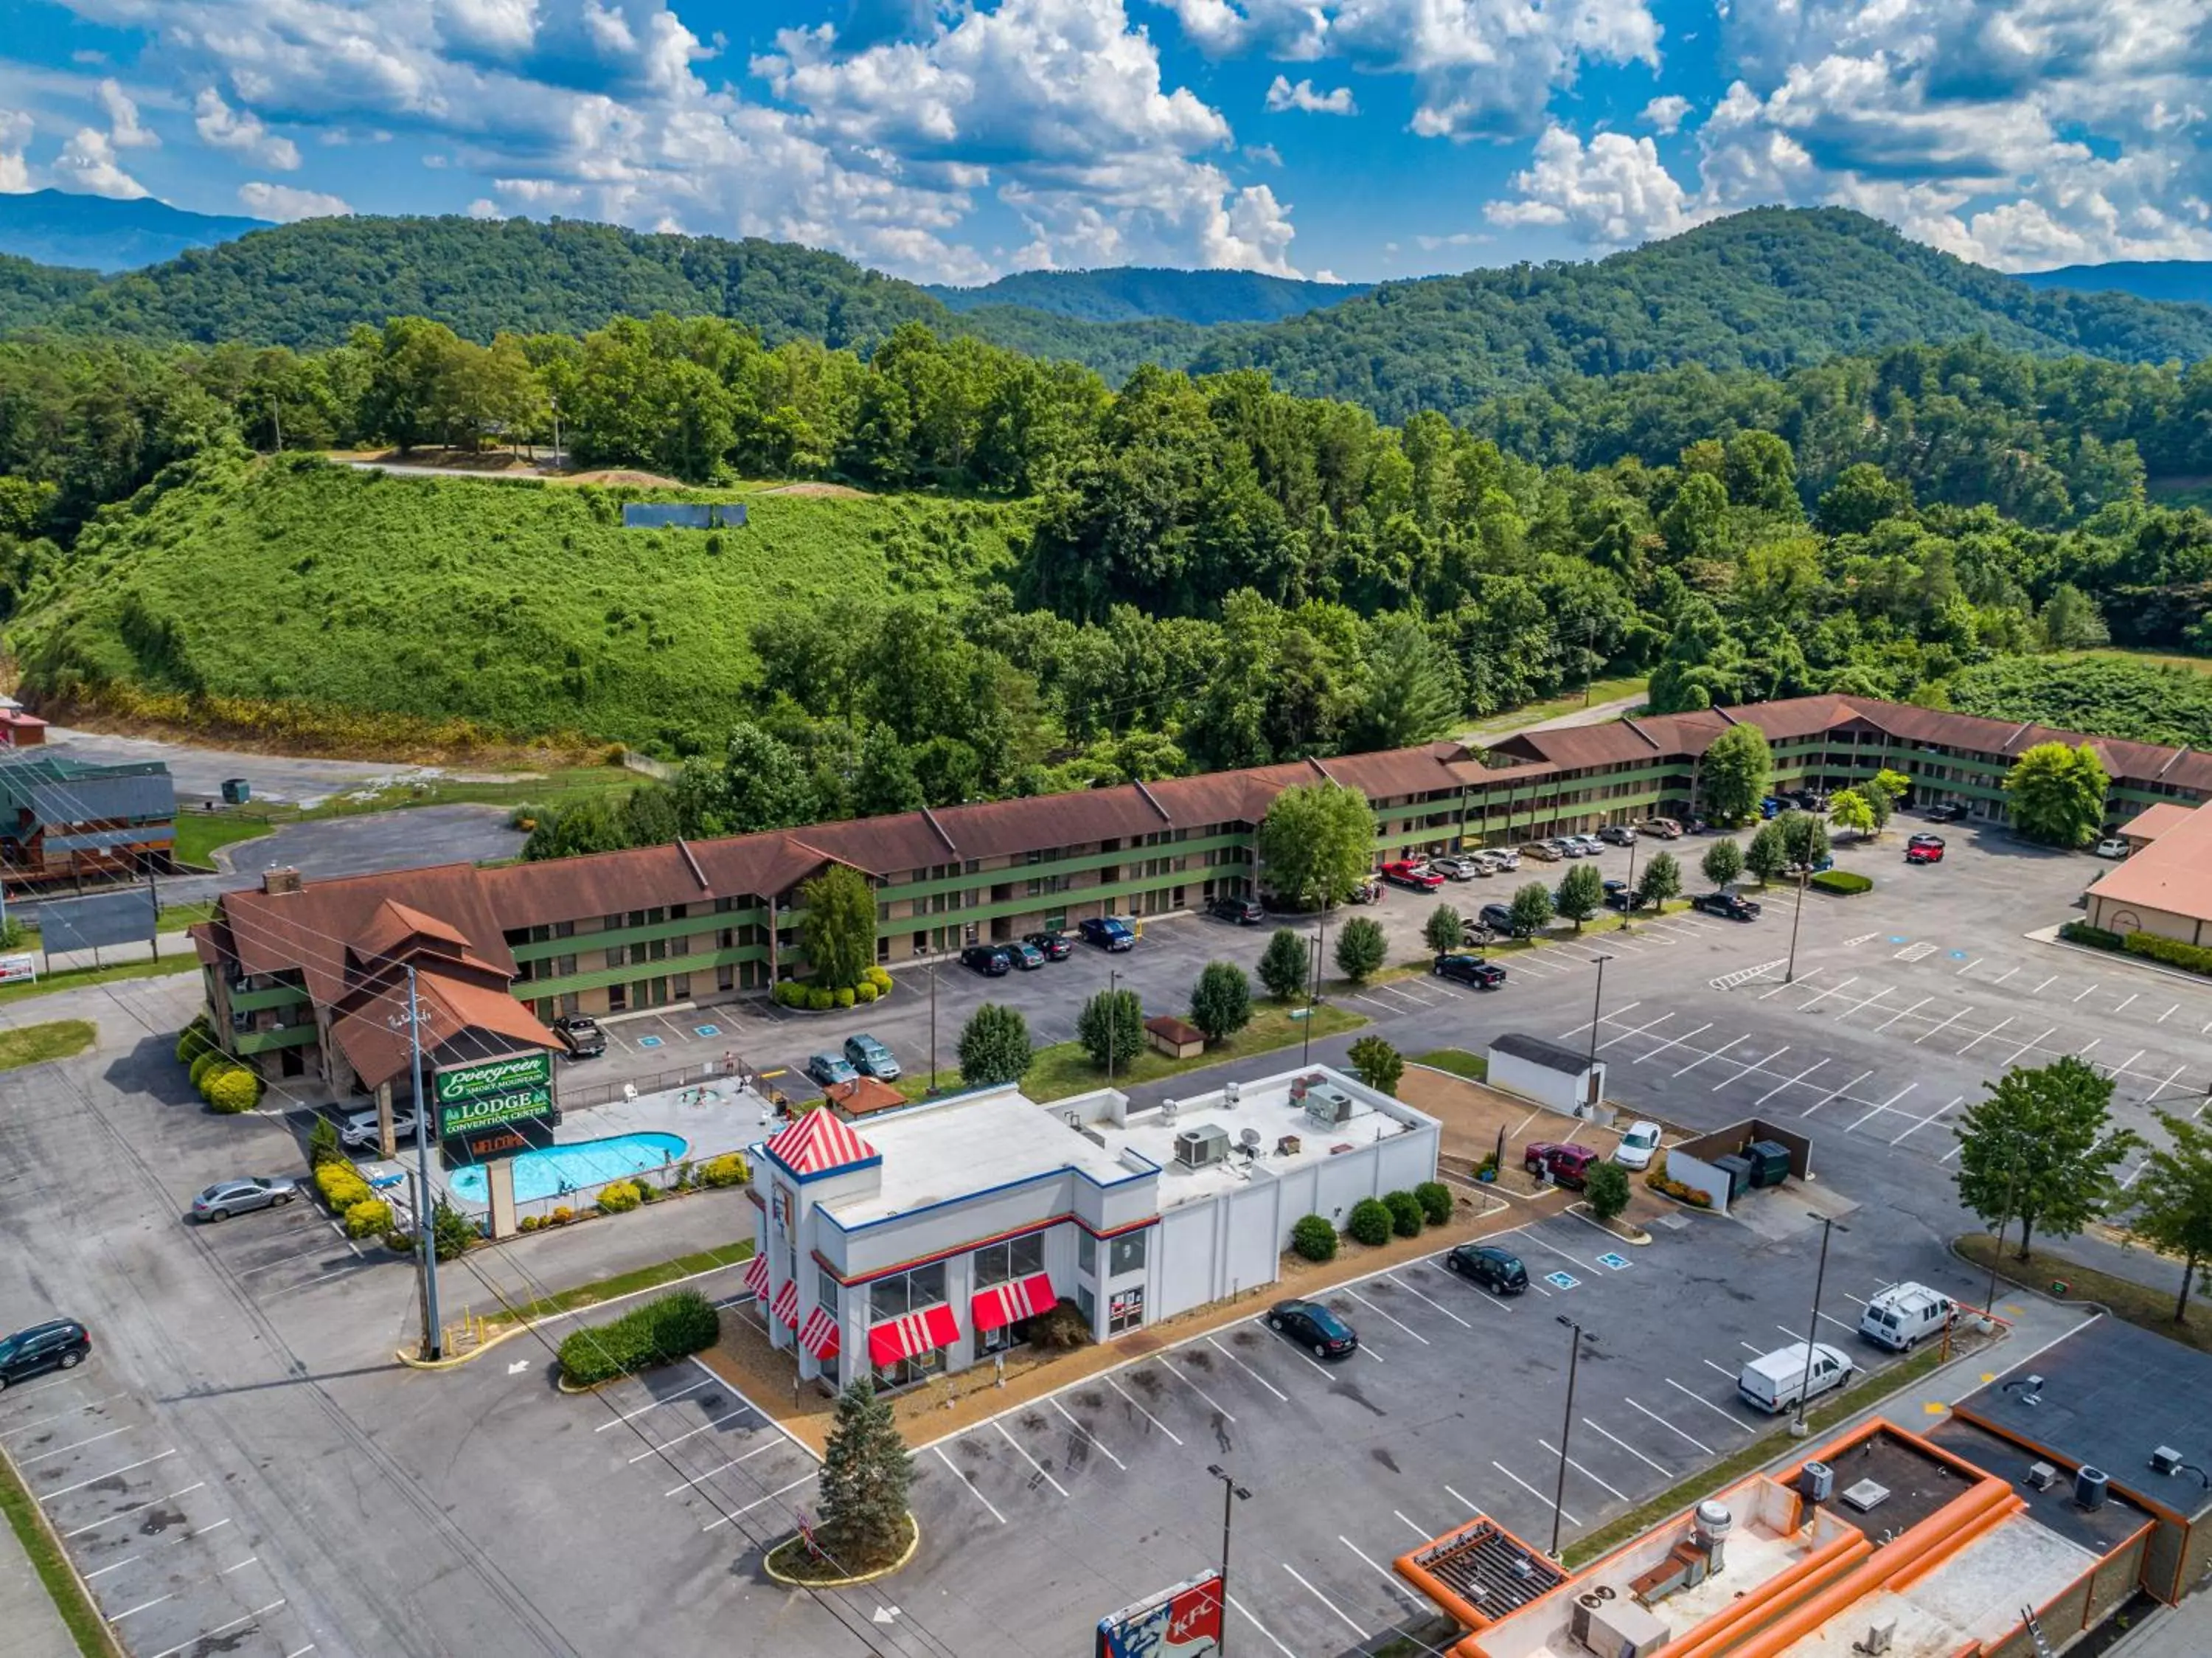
1565, 1079
1178, 1039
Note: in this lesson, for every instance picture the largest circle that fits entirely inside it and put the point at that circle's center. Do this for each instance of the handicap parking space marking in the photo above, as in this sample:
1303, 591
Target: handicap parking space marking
1612, 1259
706, 1030
651, 1042
1562, 1280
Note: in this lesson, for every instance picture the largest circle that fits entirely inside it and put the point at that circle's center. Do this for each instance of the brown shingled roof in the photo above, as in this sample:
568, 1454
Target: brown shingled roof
464, 1021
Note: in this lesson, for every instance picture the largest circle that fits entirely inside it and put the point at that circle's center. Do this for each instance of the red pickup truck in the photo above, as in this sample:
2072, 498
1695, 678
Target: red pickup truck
1418, 876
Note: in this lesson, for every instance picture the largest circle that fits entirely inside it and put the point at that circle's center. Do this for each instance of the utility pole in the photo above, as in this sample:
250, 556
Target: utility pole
1113, 980
1596, 1000
426, 1239
1575, 1341
1629, 914
933, 1027
1790, 974
1798, 1428
1305, 1025
153, 893
1231, 1494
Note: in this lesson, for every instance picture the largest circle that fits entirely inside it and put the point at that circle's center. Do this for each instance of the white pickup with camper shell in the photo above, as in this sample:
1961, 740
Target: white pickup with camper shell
1774, 1382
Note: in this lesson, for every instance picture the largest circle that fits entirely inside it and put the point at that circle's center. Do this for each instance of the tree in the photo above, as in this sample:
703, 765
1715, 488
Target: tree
1444, 931
451, 1231
2071, 620
885, 783
1283, 964
1850, 810
994, 1045
2170, 1203
1111, 1027
1316, 843
1606, 1190
1582, 892
1660, 881
1411, 691
1723, 862
2058, 793
865, 1472
1361, 948
1376, 1063
764, 785
1767, 852
1861, 497
1532, 909
1804, 837
2041, 1148
1736, 773
1221, 1000
837, 926
1884, 791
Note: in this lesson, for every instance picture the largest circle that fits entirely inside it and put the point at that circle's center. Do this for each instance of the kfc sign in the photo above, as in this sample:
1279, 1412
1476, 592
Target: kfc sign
1183, 1622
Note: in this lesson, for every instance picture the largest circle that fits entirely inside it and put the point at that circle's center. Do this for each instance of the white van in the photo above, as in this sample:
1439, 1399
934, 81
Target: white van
1901, 1315
1774, 1381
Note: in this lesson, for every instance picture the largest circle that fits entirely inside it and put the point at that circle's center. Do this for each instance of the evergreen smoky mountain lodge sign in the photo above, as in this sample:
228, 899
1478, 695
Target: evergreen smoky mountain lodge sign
516, 1088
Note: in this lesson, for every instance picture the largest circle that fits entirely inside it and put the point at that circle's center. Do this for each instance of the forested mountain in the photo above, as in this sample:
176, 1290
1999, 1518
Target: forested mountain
1133, 293
1767, 289
2185, 282
30, 293
54, 227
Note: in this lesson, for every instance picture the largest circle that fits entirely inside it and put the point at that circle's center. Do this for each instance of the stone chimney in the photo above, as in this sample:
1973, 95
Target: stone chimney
276, 882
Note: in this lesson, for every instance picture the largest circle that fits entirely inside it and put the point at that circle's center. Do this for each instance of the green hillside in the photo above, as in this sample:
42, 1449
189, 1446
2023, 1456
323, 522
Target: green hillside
1115, 350
55, 227
32, 293
1767, 289
520, 608
1133, 293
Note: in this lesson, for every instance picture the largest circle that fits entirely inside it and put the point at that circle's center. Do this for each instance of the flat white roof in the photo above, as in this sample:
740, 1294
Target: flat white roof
971, 1144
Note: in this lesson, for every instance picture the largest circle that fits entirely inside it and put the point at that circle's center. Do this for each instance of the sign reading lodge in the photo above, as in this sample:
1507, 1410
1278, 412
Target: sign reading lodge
517, 1087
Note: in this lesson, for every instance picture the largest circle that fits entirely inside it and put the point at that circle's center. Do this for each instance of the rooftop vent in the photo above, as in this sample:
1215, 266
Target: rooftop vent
2165, 1460
1867, 1496
1329, 1105
1196, 1148
2042, 1476
1881, 1634
2089, 1487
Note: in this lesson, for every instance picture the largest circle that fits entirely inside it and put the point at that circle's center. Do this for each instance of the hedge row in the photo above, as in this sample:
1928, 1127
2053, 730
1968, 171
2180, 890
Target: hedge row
2194, 958
1845, 883
666, 1328
2097, 938
1373, 1220
341, 1187
875, 983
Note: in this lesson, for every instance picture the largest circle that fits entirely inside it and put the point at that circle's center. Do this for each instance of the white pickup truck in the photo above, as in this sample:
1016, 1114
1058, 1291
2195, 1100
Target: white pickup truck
1775, 1381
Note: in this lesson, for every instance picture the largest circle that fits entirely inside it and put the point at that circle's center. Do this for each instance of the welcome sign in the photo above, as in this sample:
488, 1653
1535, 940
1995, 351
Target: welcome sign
517, 1087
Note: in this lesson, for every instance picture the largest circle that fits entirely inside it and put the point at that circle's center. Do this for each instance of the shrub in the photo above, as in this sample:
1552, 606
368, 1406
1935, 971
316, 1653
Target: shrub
398, 1242
193, 1041
619, 1197
788, 993
1376, 1063
206, 1062
1606, 1191
1314, 1238
531, 1223
820, 999
880, 977
683, 1177
1061, 1330
561, 1216
726, 1170
2194, 958
994, 1045
1221, 1000
323, 1143
1111, 1027
663, 1329
452, 1231
844, 996
367, 1218
1361, 948
864, 992
1404, 1213
1368, 1222
1283, 963
232, 1089
1435, 1199
342, 1186
1845, 883
647, 1193
2097, 938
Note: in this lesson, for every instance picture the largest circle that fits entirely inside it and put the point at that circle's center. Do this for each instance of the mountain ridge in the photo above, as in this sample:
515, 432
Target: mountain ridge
1136, 293
2173, 282
96, 232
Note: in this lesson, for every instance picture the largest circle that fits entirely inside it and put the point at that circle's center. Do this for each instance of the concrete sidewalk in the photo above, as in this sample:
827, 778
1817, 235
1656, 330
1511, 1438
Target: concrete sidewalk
29, 1625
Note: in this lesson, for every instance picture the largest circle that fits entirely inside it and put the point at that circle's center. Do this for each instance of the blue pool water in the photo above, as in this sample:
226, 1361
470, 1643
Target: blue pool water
587, 1163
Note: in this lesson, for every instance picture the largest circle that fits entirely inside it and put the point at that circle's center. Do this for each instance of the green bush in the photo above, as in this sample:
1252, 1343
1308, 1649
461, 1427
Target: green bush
819, 999
340, 1187
232, 1089
880, 977
1435, 1200
529, 1224
844, 996
726, 1170
323, 1143
666, 1328
369, 1218
865, 992
788, 993
2194, 958
206, 1062
1606, 1190
2097, 938
1404, 1213
619, 1197
193, 1041
1370, 1221
453, 1231
1314, 1238
1843, 883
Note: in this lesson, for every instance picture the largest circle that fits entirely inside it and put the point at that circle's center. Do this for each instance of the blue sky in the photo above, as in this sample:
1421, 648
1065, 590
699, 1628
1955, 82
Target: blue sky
1358, 139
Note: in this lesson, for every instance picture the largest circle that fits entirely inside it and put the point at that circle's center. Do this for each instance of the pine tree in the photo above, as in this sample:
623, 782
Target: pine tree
865, 1471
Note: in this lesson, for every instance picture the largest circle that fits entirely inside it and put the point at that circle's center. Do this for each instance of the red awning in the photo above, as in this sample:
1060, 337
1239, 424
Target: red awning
1005, 1303
820, 1336
916, 1333
757, 1275
786, 1304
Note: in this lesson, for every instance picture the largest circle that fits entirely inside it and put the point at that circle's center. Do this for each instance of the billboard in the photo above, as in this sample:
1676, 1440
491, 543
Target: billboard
105, 919
19, 969
513, 1089
1181, 1622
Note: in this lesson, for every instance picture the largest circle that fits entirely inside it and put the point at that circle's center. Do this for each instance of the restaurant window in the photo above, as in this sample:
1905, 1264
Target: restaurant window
827, 1290
1126, 1311
1125, 1254
1016, 1258
903, 1293
1086, 1253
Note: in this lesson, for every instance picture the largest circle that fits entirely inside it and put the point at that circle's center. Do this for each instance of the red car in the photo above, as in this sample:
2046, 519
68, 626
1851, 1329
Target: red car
1925, 848
1419, 876
1568, 1165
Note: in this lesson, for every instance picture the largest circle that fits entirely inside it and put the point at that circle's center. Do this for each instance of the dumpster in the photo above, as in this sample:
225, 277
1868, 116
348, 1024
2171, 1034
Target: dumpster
1738, 1170
236, 791
1770, 1162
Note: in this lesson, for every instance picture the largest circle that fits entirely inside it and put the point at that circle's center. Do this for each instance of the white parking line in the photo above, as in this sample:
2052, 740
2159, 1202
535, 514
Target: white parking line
1824, 995
1677, 1042
1901, 1012
1099, 1443
717, 1524
671, 1398
1655, 1467
1387, 1576
1262, 1627
2033, 1041
1934, 1029
1756, 1064
2133, 996
105, 1398
704, 1427
2124, 1064
1786, 984
1971, 962
1788, 1082
1400, 1323
1987, 1034
1324, 1600
1463, 1323
64, 1450
1924, 1121
249, 1559
1715, 1054
1667, 1425
1634, 1030
1565, 1513
2168, 1014
110, 1474
141, 1606
2006, 974
1885, 1104
1523, 1232
1142, 1411
94, 1525
2151, 1097
720, 1468
1502, 1306
1612, 1017
1247, 1370
1474, 1509
2092, 985
1583, 1471
2046, 984
970, 1483
1733, 1421
1420, 1531
1212, 1403
1842, 1093
220, 1629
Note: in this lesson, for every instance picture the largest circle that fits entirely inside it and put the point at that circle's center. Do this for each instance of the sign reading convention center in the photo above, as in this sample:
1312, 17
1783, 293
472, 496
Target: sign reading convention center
515, 1087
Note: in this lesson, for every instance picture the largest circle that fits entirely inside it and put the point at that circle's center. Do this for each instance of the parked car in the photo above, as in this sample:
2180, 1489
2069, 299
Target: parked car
1771, 807
1925, 848
1245, 911
1583, 846
1416, 877
1617, 834
1822, 862
1568, 1165
1620, 895
1949, 811
1469, 969
1807, 800
1544, 851
1638, 1146
1314, 1327
1365, 892
1899, 1317
1474, 935
1505, 858
1496, 1270
1485, 864
59, 1344
359, 1130
1025, 954
1498, 917
1107, 932
581, 1035
1660, 828
1729, 905
1453, 869
827, 1071
227, 1198
988, 959
871, 1058
1055, 946
1775, 1381
2112, 847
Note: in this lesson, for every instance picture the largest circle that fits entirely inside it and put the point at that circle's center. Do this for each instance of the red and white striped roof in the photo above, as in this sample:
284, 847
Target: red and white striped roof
819, 1143
757, 1275
1012, 1301
786, 1304
916, 1333
820, 1337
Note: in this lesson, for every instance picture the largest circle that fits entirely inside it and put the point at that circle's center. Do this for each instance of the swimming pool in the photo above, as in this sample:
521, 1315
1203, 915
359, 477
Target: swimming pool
586, 1163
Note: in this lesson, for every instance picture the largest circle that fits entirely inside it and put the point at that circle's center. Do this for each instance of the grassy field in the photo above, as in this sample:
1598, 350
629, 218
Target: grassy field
1458, 1061
87, 1629
2137, 1303
626, 1284
182, 961
1066, 1069
1528, 714
517, 608
2155, 658
198, 834
34, 1045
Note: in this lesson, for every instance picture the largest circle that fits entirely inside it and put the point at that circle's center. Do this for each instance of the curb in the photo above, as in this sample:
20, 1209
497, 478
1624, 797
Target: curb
911, 1548
526, 1327
1620, 1230
2143, 964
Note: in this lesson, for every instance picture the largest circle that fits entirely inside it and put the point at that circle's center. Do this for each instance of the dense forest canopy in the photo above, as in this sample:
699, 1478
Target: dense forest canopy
1133, 293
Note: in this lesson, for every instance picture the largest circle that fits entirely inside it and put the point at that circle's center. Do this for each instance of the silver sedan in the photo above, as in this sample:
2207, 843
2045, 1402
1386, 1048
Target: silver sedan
227, 1198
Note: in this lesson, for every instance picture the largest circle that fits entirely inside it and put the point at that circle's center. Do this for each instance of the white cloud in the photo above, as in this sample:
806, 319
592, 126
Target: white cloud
1664, 115
124, 130
498, 28
88, 164
1282, 96
484, 208
285, 203
222, 127
15, 138
1610, 192
1263, 154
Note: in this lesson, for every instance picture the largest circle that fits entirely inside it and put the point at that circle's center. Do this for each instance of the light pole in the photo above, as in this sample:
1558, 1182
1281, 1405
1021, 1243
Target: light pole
1113, 980
1231, 1494
1790, 975
1575, 1341
1628, 915
1597, 999
1797, 1427
933, 1029
1305, 1025
425, 1232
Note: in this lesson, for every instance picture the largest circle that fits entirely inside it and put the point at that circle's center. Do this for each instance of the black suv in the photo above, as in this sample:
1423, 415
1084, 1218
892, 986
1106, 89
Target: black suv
1469, 969
1620, 895
1055, 945
60, 1345
1949, 811
1727, 905
1245, 911
1496, 1270
581, 1035
988, 959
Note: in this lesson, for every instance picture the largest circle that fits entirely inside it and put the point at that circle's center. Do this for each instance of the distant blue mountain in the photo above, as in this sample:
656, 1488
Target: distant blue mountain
2186, 281
1135, 294
52, 227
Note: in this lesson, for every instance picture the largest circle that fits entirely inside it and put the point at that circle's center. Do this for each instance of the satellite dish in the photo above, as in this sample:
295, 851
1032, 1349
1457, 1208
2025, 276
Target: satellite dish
1250, 1139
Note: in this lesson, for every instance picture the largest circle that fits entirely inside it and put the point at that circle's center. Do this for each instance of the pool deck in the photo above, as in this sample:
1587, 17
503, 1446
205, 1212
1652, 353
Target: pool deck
710, 1118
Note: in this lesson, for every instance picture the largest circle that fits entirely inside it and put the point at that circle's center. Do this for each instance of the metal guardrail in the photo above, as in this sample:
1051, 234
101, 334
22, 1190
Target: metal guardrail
683, 1076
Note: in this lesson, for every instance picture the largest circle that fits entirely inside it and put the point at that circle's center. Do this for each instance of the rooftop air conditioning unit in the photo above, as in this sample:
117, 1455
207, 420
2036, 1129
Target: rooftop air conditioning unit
2165, 1460
1329, 1105
2042, 1476
1881, 1635
1616, 1626
1196, 1148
